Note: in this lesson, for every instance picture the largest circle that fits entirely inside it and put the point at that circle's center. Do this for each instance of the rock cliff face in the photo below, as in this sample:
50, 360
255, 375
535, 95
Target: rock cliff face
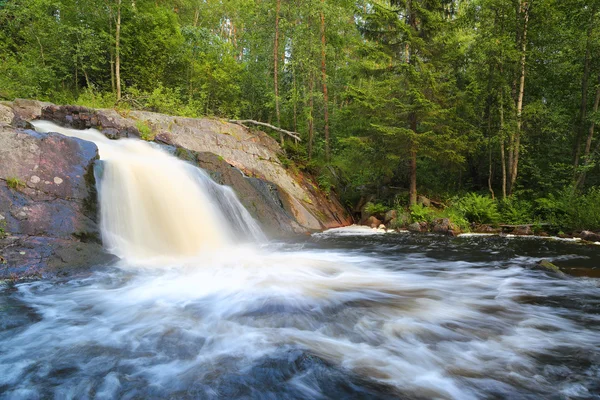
283, 201
47, 202
47, 187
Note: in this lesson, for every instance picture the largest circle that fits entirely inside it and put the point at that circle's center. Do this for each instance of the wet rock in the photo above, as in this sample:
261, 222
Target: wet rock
48, 202
547, 266
589, 236
381, 226
373, 222
261, 198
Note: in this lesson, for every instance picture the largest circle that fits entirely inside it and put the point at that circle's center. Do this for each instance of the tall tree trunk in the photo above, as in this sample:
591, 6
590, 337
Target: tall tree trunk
582, 126
295, 100
488, 117
517, 144
276, 68
117, 51
311, 106
412, 190
588, 143
502, 155
412, 118
324, 78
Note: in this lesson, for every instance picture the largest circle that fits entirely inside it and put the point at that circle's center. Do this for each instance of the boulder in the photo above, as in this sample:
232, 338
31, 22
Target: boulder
381, 226
545, 265
589, 236
390, 215
424, 201
414, 227
444, 227
47, 203
6, 115
523, 230
486, 229
373, 222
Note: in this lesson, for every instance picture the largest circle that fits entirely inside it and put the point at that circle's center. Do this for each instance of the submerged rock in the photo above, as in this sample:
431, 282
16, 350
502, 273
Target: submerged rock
547, 266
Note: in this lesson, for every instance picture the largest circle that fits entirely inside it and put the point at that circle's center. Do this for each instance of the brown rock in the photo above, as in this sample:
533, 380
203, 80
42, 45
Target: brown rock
373, 222
524, 230
590, 236
390, 215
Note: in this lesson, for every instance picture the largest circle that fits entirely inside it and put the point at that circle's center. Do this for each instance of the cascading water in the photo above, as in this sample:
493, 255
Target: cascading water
346, 314
154, 205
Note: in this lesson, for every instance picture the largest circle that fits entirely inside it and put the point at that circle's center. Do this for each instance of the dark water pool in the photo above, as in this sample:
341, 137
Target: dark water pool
343, 315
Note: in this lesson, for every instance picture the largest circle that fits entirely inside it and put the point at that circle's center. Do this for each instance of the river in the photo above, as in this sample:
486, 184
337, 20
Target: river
346, 314
202, 306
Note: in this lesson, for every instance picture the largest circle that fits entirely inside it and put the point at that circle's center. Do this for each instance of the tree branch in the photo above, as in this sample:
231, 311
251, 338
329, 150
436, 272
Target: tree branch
241, 122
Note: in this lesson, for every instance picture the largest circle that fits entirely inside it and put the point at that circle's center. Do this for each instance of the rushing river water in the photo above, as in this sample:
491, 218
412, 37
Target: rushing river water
200, 307
339, 315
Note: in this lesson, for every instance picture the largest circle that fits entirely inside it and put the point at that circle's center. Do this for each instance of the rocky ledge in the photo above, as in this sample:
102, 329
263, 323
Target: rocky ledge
47, 202
47, 188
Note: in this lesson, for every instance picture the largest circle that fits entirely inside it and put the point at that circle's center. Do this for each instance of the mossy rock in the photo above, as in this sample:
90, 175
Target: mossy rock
545, 265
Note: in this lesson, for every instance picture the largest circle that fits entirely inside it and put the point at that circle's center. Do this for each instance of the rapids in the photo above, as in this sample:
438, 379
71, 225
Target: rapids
350, 313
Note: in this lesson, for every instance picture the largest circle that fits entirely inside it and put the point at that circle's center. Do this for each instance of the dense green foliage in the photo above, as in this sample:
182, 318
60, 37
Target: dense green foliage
453, 96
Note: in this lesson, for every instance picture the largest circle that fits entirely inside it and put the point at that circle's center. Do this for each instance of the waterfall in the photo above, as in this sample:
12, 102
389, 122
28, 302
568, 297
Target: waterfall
154, 205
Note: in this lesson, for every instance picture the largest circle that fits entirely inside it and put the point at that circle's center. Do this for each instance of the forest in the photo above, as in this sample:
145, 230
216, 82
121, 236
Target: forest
487, 106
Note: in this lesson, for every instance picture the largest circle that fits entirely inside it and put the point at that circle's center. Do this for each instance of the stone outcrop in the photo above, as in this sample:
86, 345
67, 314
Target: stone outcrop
47, 203
47, 188
589, 236
294, 203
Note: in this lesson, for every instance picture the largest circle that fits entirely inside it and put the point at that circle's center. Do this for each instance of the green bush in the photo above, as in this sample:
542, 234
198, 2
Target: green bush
515, 211
420, 213
375, 208
94, 99
456, 217
145, 131
571, 211
478, 209
324, 181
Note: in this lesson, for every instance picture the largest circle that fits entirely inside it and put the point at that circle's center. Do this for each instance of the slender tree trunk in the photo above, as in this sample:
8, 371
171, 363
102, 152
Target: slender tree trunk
118, 51
412, 190
276, 67
502, 155
324, 78
295, 100
517, 143
490, 170
588, 143
582, 126
311, 106
488, 117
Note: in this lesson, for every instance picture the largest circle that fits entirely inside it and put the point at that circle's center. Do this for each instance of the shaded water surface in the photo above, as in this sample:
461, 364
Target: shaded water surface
335, 316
